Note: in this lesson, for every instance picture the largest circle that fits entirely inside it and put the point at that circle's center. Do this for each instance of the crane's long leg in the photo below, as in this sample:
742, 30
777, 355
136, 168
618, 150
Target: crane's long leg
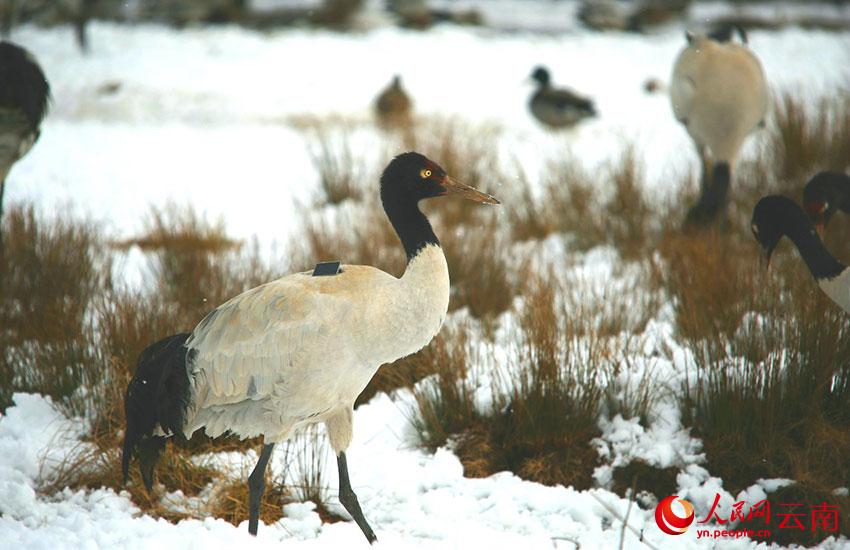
349, 499
256, 487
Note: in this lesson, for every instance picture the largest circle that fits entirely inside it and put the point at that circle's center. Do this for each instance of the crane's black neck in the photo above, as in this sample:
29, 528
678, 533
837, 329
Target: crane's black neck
22, 83
410, 224
820, 262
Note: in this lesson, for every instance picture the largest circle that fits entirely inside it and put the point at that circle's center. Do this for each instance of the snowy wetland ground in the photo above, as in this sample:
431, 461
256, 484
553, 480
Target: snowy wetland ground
596, 358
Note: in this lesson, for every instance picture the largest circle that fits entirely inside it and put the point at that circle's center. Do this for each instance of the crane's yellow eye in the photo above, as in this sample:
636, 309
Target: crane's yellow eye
425, 173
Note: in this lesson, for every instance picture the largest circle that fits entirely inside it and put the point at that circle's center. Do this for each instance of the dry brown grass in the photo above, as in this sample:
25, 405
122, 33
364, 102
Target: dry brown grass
341, 176
530, 217
446, 407
713, 279
568, 203
94, 466
479, 269
553, 401
230, 500
807, 139
195, 265
575, 203
630, 220
362, 236
545, 409
52, 271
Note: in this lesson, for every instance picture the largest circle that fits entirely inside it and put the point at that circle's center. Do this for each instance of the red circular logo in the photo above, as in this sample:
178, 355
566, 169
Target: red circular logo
667, 519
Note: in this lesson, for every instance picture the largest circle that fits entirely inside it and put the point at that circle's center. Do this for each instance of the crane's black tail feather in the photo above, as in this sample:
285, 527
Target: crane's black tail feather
157, 395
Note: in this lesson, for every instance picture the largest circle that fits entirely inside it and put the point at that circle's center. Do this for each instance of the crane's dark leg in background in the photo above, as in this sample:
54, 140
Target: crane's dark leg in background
349, 499
256, 487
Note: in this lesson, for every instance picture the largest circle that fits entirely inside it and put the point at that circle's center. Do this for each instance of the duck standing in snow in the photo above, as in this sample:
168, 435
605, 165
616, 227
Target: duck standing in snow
719, 92
557, 107
393, 106
24, 94
299, 350
776, 216
824, 195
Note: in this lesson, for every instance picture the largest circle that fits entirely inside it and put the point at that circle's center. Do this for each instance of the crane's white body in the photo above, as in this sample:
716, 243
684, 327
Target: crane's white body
838, 289
299, 350
719, 92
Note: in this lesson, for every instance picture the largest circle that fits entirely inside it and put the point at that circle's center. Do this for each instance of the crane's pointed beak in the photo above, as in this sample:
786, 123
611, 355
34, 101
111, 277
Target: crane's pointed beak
819, 227
454, 187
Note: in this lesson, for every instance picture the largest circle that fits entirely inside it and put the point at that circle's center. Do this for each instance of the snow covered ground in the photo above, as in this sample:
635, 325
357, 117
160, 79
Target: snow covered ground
203, 116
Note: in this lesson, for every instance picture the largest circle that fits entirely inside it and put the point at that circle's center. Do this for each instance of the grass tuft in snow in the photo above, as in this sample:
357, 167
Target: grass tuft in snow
51, 273
479, 269
341, 177
445, 403
545, 406
229, 500
772, 399
809, 138
549, 409
643, 477
608, 208
714, 279
194, 264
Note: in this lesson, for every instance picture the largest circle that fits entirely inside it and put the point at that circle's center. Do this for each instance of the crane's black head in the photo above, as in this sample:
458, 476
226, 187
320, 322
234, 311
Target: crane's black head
541, 75
411, 177
774, 217
826, 193
22, 83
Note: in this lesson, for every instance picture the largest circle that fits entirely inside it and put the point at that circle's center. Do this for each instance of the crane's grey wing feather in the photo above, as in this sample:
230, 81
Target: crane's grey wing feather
250, 343
279, 338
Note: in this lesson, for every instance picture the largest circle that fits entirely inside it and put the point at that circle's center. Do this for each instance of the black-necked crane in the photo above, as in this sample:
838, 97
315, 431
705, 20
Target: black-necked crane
719, 92
776, 216
824, 195
557, 107
393, 106
299, 350
24, 95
